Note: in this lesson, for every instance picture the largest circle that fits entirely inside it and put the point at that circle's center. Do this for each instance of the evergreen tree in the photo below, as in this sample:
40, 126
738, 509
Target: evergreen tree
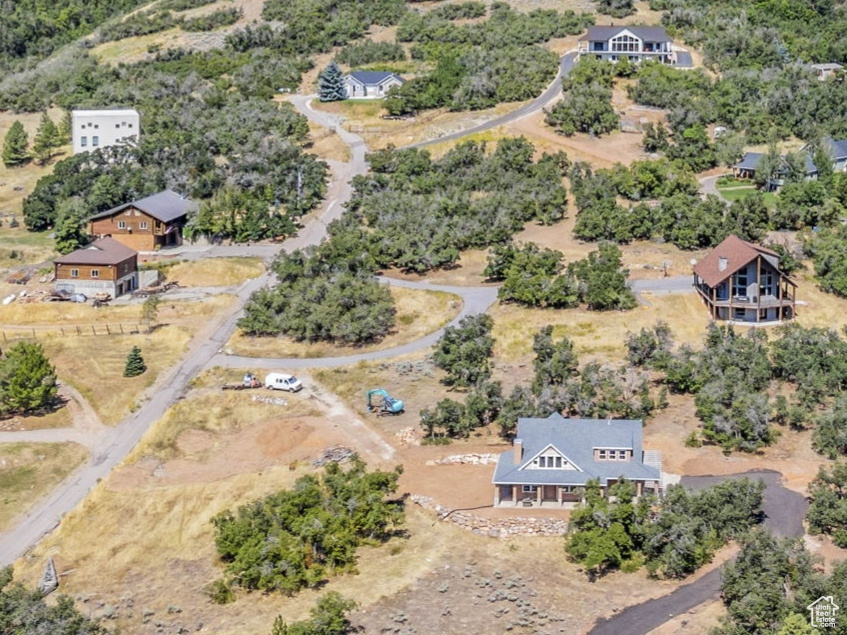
65, 128
47, 139
331, 84
134, 363
15, 146
27, 379
70, 226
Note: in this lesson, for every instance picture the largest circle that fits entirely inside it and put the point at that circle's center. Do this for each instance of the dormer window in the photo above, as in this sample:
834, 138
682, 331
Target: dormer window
551, 459
608, 454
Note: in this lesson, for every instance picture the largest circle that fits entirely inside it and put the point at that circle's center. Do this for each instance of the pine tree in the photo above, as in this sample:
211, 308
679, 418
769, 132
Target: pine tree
47, 139
15, 146
134, 363
27, 379
331, 84
65, 128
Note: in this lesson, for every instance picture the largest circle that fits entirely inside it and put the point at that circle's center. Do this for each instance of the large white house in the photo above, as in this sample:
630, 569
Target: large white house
370, 84
93, 129
637, 43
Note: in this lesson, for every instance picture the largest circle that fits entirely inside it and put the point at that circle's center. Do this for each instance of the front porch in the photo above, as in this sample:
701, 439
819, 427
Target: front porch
554, 496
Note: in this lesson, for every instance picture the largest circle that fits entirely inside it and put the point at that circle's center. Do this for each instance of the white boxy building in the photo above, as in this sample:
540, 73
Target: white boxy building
93, 129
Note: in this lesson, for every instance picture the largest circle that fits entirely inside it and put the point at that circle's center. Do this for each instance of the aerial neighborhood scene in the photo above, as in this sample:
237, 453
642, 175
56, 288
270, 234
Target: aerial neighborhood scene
423, 317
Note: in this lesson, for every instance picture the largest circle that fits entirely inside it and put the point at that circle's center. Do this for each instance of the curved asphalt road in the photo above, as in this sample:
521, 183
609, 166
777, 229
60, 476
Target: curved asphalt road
566, 63
784, 512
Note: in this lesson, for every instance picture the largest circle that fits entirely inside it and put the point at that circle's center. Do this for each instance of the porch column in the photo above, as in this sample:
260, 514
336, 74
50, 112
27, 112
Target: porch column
515, 495
539, 489
638, 488
496, 495
758, 287
560, 495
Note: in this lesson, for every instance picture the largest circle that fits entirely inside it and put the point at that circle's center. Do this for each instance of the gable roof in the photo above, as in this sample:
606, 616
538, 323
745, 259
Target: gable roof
576, 439
644, 33
737, 253
750, 161
106, 251
165, 206
370, 78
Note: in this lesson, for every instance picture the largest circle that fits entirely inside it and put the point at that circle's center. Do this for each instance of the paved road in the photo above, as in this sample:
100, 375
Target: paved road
784, 511
566, 63
671, 284
475, 300
709, 185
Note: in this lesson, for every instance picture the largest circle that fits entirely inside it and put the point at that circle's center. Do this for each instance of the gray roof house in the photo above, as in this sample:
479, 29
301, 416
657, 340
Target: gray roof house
637, 43
825, 71
370, 84
749, 163
552, 459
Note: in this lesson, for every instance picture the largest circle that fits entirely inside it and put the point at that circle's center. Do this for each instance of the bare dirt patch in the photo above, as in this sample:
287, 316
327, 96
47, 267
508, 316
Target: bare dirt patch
28, 471
418, 314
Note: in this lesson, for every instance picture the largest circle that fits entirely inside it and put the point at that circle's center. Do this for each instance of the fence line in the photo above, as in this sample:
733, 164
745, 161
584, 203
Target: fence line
95, 330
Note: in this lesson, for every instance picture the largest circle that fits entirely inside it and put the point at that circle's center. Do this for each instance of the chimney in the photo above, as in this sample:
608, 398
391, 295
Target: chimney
517, 446
722, 263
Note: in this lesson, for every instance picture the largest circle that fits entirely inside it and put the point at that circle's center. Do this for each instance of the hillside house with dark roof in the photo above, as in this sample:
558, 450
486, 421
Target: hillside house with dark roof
371, 84
637, 43
147, 224
742, 282
104, 266
552, 459
747, 167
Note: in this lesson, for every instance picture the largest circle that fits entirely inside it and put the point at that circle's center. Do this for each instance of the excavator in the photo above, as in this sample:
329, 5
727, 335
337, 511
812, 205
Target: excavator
381, 403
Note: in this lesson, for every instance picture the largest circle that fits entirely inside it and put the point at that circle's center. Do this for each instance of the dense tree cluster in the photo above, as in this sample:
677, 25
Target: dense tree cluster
23, 610
324, 294
586, 104
767, 588
827, 252
828, 509
370, 52
297, 538
481, 64
740, 382
673, 536
421, 213
537, 277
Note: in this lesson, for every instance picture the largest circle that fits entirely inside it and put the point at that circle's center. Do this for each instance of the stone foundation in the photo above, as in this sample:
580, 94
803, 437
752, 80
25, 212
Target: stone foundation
495, 527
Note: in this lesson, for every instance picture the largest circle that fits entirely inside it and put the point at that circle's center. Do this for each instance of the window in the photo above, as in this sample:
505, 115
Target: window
739, 314
95, 273
739, 283
766, 284
529, 489
95, 141
129, 125
763, 314
121, 224
83, 141
625, 44
142, 225
117, 125
97, 126
601, 454
74, 273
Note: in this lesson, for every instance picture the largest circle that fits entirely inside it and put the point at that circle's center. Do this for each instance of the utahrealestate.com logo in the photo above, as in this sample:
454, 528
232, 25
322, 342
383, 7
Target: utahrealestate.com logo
823, 612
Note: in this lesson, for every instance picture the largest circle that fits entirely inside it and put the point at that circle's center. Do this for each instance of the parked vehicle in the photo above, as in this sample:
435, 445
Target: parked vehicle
281, 381
250, 381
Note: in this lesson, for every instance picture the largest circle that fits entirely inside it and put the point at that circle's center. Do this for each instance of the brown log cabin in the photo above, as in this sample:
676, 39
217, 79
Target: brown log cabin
150, 223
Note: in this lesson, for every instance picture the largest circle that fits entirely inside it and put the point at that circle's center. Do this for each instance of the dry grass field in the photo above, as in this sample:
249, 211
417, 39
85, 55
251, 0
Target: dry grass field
418, 313
212, 272
30, 470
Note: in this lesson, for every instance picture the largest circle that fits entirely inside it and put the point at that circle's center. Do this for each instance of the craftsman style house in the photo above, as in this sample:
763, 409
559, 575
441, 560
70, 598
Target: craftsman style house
93, 129
742, 282
104, 266
637, 43
146, 224
370, 84
552, 459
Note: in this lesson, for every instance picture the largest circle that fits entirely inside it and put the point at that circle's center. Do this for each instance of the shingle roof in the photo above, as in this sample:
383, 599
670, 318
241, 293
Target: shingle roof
576, 439
106, 251
737, 254
750, 161
165, 206
644, 33
374, 77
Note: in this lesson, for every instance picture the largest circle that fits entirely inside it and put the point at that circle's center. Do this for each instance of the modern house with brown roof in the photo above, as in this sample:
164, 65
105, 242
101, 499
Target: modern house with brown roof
104, 266
553, 459
742, 282
147, 224
637, 43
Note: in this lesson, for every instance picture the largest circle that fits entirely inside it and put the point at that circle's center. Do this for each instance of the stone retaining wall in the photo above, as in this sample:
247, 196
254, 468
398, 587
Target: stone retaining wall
496, 527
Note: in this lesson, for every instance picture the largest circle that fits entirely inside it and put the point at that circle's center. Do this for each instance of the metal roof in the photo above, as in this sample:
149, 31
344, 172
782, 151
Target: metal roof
370, 78
106, 251
165, 206
643, 33
575, 439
